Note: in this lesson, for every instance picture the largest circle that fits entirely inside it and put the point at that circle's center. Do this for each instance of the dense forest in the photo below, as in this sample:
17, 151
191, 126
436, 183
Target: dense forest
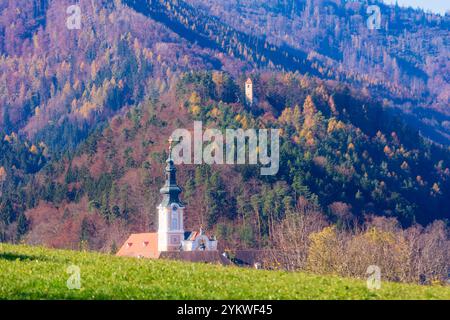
339, 151
329, 39
405, 62
53, 78
85, 116
56, 80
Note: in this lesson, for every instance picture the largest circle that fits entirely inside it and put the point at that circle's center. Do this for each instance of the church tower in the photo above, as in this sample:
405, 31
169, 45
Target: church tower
249, 91
171, 237
170, 210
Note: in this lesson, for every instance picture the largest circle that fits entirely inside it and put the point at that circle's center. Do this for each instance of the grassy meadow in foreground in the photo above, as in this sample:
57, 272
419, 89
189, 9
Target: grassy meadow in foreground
39, 273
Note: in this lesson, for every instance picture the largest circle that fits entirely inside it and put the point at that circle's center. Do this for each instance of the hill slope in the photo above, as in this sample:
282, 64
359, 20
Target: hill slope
37, 273
400, 62
54, 79
60, 82
336, 147
132, 76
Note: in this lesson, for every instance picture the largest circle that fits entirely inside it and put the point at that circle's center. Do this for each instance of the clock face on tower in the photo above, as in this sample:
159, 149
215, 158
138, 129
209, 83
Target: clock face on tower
174, 240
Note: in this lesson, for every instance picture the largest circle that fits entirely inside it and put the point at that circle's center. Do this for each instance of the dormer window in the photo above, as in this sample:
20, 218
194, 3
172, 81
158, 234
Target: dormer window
145, 243
129, 244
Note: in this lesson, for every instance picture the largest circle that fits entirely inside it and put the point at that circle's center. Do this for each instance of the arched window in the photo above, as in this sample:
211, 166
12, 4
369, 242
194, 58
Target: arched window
175, 225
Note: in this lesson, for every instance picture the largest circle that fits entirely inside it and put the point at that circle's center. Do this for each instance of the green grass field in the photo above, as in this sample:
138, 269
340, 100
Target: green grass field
38, 273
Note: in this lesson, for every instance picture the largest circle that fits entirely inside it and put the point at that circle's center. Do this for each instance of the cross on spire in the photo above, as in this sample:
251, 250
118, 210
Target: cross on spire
171, 190
171, 143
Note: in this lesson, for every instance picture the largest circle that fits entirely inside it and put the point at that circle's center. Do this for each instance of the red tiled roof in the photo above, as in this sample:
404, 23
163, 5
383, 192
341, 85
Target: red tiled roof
143, 245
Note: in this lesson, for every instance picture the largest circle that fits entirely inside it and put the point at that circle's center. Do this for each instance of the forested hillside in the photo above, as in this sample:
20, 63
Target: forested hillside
55, 79
85, 116
340, 153
405, 62
57, 84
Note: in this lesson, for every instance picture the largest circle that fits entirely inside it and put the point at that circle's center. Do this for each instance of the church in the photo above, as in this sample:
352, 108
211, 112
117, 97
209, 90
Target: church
172, 241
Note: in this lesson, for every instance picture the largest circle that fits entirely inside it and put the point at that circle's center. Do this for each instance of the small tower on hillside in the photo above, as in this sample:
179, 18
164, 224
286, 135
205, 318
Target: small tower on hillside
170, 210
249, 91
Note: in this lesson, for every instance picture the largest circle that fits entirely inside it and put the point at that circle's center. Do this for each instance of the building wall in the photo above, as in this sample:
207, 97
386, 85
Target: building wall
170, 228
211, 245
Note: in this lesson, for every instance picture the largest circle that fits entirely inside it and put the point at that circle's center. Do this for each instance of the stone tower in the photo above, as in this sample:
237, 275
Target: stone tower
249, 91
